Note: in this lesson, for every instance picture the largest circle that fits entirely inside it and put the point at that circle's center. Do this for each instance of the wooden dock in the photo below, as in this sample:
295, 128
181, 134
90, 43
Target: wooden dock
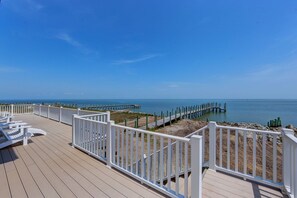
112, 107
191, 112
49, 167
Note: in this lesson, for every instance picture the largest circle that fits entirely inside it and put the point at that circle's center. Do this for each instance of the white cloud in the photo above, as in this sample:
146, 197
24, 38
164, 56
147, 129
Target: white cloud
75, 43
136, 60
175, 85
68, 39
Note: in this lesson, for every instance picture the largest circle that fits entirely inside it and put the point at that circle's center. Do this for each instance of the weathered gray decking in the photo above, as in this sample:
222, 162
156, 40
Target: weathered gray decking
49, 167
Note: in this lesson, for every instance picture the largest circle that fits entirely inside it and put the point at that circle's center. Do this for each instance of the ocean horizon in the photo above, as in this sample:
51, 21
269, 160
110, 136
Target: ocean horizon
238, 110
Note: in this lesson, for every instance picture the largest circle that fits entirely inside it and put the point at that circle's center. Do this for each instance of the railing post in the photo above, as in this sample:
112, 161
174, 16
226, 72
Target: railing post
108, 116
25, 135
33, 108
11, 109
286, 158
60, 116
73, 129
48, 110
212, 145
78, 109
196, 164
109, 143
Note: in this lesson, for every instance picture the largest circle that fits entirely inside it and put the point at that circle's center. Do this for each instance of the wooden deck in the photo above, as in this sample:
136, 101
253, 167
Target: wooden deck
216, 184
49, 167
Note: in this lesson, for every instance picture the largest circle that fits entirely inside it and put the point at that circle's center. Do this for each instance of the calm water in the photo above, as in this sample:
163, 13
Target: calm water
257, 111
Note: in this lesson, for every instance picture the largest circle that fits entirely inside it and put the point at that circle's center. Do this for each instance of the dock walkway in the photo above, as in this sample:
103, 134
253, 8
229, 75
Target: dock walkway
190, 113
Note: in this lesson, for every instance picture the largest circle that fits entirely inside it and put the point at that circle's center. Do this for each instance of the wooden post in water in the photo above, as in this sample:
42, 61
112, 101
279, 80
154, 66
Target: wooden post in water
190, 109
155, 116
146, 122
163, 121
175, 115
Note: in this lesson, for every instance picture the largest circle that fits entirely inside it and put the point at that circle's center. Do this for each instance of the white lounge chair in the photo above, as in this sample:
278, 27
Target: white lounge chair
21, 134
6, 118
18, 134
13, 124
33, 131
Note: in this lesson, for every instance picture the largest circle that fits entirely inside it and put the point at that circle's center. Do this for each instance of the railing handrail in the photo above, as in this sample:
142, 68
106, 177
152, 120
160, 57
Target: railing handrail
67, 108
249, 130
291, 138
92, 115
153, 133
197, 131
94, 121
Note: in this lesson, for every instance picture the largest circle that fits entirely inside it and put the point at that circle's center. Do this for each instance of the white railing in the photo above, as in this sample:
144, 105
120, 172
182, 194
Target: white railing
289, 162
246, 155
90, 136
14, 109
64, 115
102, 117
173, 165
204, 133
126, 148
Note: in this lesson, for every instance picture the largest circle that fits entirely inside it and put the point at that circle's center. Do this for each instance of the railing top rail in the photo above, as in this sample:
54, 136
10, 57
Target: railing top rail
198, 131
249, 130
292, 138
91, 115
96, 121
153, 133
15, 104
52, 107
67, 108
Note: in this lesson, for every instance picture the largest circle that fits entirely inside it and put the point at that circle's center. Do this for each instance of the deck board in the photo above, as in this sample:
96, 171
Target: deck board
14, 181
91, 172
4, 187
228, 186
29, 183
58, 178
47, 189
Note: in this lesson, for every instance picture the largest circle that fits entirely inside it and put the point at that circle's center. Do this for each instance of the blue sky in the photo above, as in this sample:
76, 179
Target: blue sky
148, 49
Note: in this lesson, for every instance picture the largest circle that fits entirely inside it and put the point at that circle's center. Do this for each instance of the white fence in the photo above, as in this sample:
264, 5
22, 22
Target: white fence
61, 114
126, 148
290, 162
173, 165
13, 109
250, 150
